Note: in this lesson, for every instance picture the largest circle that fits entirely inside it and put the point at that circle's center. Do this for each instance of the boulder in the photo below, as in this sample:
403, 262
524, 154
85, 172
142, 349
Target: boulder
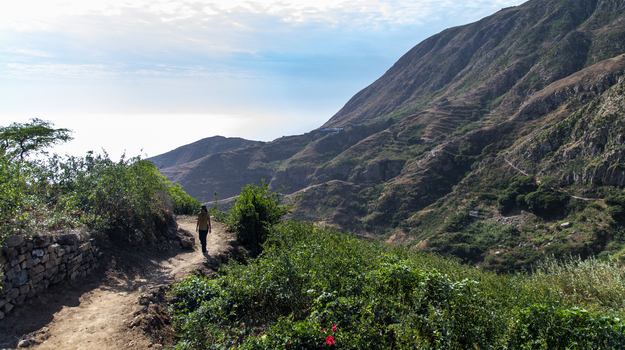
187, 242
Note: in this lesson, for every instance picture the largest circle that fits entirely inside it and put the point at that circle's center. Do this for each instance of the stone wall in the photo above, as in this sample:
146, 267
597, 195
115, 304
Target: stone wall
31, 264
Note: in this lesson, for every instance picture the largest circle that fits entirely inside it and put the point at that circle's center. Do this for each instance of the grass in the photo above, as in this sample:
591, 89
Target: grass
591, 283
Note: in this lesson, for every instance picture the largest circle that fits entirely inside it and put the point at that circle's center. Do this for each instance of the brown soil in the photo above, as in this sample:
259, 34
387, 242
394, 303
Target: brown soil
118, 308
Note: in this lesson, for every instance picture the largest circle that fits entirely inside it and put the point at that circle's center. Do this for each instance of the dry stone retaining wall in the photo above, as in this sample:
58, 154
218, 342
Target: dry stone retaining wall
31, 264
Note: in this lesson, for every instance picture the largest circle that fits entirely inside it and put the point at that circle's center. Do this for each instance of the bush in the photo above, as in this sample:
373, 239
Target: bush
471, 244
615, 200
546, 203
182, 203
311, 284
616, 212
117, 197
515, 192
541, 326
12, 187
128, 199
254, 212
308, 280
457, 222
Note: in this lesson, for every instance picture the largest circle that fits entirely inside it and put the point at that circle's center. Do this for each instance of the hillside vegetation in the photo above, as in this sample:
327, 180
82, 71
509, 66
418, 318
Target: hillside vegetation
126, 199
314, 288
499, 142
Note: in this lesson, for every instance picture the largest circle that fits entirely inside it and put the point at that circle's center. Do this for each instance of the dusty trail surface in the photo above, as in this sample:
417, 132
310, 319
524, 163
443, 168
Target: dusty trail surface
110, 310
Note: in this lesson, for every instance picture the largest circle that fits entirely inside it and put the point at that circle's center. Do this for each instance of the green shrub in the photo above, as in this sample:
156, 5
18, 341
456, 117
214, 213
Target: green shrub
457, 222
12, 187
546, 203
309, 279
379, 297
116, 196
544, 327
616, 212
254, 212
126, 198
472, 243
182, 203
615, 200
514, 193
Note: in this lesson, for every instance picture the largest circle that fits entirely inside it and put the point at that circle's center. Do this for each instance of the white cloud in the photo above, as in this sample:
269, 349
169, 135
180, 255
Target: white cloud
297, 11
46, 71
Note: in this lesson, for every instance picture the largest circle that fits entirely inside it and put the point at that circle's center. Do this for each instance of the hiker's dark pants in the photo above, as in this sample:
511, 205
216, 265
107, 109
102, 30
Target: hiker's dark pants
203, 234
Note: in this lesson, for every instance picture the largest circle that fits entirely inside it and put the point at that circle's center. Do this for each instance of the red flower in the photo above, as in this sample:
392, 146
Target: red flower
323, 330
333, 328
330, 340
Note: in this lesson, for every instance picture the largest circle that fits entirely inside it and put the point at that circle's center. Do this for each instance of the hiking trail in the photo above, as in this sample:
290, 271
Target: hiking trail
111, 309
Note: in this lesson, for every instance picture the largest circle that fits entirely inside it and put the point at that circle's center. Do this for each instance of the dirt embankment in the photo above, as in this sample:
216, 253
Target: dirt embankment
117, 308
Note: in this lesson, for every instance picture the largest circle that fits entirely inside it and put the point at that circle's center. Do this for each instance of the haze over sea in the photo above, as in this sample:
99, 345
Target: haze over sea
144, 77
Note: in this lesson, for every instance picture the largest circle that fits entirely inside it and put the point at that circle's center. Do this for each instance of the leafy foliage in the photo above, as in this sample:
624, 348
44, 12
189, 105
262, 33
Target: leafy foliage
182, 203
127, 198
518, 186
311, 284
471, 244
254, 212
117, 196
20, 139
12, 186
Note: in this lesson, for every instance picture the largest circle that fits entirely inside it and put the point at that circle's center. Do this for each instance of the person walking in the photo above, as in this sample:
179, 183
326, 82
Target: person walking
203, 226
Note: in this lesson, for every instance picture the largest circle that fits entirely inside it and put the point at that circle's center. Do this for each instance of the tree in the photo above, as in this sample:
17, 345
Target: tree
23, 138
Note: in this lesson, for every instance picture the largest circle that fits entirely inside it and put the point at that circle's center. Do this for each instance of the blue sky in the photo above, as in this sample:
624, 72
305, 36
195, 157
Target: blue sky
146, 76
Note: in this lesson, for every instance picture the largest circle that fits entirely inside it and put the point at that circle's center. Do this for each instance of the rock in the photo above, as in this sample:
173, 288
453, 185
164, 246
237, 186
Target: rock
38, 253
8, 307
67, 240
171, 233
20, 278
14, 241
187, 242
565, 225
24, 343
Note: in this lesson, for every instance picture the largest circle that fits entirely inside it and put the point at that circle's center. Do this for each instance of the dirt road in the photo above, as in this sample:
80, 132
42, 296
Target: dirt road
111, 310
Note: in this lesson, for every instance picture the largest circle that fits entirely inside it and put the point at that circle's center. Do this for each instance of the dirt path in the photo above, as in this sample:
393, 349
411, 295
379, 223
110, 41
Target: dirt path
110, 310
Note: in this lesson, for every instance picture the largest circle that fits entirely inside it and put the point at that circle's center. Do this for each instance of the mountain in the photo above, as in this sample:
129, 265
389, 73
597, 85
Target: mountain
200, 149
497, 142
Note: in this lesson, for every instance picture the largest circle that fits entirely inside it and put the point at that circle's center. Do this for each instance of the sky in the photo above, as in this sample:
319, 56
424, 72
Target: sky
143, 77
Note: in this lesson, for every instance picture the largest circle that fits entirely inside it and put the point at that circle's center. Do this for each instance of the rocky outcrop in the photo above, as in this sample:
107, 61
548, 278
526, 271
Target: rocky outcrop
293, 178
332, 172
603, 174
582, 85
382, 170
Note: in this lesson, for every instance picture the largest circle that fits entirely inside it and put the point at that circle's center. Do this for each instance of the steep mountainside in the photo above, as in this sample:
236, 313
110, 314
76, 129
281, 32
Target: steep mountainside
479, 142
